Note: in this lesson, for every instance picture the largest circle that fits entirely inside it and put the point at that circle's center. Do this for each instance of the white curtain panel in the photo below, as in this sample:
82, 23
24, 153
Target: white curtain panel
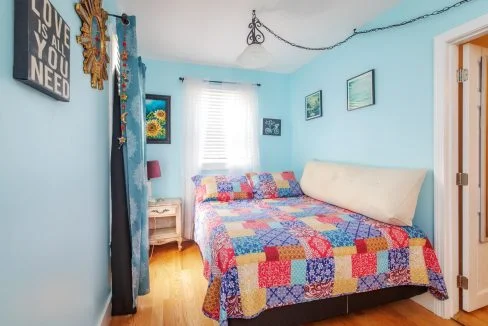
237, 105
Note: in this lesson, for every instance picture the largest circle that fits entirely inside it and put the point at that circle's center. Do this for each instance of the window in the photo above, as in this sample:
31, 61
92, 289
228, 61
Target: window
226, 127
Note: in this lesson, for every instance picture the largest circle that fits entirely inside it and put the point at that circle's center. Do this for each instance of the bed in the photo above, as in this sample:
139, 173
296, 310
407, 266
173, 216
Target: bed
292, 260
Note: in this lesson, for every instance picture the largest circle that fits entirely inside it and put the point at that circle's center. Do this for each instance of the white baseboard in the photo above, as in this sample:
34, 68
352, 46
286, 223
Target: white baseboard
426, 300
106, 313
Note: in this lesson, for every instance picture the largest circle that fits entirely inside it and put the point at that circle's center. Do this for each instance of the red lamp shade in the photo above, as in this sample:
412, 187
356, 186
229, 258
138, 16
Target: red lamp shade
153, 170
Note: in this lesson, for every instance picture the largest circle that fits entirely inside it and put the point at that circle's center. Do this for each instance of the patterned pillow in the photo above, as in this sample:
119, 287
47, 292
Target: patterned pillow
221, 188
274, 185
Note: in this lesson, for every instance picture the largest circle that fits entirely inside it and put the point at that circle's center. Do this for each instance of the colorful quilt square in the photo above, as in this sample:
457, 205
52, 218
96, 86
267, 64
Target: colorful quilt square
246, 245
398, 258
318, 247
431, 260
240, 233
396, 237
291, 252
359, 229
221, 188
419, 275
253, 301
320, 270
376, 244
383, 265
315, 224
271, 253
248, 277
344, 251
298, 271
284, 295
250, 258
372, 282
361, 246
255, 224
230, 283
343, 267
364, 264
330, 219
339, 238
417, 242
343, 286
274, 273
275, 237
416, 257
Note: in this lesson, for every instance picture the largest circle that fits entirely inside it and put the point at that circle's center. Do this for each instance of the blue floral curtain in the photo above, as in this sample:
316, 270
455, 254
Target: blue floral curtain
133, 143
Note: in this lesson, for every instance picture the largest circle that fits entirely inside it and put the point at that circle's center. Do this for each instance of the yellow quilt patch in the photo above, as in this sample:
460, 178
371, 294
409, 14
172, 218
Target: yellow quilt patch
416, 242
342, 286
253, 301
419, 275
241, 233
282, 184
250, 259
317, 225
291, 253
344, 251
343, 267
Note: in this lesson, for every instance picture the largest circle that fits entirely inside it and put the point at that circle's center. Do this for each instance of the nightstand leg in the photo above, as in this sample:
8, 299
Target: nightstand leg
180, 240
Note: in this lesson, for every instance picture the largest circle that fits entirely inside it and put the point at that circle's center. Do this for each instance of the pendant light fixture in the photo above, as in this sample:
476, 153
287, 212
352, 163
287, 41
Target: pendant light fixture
255, 55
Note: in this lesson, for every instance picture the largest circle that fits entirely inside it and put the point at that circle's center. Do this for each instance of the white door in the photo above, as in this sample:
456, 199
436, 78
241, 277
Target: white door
475, 247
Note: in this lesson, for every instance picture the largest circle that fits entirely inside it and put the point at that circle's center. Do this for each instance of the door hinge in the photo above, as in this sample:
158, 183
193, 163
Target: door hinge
461, 179
462, 75
462, 282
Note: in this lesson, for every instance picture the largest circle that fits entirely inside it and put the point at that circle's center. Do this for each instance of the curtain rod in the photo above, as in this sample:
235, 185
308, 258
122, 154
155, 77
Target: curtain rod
124, 18
182, 79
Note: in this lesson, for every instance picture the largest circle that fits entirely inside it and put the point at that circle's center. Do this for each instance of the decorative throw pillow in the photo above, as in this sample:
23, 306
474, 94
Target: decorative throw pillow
274, 185
221, 188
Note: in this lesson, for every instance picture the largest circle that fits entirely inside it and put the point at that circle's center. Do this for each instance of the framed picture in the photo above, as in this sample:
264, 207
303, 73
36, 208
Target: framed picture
158, 119
313, 105
271, 127
360, 91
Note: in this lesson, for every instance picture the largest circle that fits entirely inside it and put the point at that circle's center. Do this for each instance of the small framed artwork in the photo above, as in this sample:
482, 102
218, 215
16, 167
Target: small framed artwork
158, 119
271, 127
313, 105
360, 91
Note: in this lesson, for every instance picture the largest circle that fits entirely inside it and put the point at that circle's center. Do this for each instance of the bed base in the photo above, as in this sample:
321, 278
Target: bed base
308, 312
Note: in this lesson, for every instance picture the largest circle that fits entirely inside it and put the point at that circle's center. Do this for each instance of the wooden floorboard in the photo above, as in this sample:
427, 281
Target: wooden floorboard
475, 318
178, 288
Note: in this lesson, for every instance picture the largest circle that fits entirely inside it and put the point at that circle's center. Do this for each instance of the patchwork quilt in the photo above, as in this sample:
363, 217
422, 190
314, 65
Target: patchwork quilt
261, 254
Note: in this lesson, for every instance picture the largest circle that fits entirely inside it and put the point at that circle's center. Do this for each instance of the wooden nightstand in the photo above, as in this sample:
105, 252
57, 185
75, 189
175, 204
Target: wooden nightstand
165, 221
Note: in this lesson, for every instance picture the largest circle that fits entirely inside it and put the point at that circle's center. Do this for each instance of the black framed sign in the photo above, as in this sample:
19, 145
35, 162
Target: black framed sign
42, 48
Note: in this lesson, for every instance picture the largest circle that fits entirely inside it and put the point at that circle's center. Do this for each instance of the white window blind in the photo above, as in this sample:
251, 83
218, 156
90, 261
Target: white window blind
214, 146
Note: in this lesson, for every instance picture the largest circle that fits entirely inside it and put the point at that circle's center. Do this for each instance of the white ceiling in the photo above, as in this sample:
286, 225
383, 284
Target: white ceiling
214, 32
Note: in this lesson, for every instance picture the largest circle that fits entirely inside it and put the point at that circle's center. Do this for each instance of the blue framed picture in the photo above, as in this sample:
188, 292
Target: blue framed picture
313, 105
271, 127
360, 91
158, 119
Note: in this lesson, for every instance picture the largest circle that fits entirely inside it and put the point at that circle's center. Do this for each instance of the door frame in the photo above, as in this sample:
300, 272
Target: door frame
446, 153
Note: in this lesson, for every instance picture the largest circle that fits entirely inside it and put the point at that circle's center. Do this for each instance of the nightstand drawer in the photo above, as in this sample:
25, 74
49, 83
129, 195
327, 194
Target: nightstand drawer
159, 222
162, 211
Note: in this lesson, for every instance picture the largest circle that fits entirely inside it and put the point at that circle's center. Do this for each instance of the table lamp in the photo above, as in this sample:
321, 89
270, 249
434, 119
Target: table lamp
153, 172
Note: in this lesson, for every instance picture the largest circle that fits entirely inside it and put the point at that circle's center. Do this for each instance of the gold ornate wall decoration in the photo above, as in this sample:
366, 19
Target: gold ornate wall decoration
93, 38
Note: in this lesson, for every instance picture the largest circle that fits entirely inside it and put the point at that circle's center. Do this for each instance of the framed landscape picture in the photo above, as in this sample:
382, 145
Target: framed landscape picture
158, 119
360, 91
313, 105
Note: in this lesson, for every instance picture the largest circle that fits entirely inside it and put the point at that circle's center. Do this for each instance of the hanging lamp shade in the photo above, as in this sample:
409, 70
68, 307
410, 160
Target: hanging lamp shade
254, 56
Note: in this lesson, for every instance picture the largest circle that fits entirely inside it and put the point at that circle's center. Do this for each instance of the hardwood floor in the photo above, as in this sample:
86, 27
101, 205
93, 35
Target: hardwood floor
475, 318
178, 288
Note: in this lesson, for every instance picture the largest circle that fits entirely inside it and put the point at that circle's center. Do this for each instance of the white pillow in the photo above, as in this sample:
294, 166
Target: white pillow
385, 194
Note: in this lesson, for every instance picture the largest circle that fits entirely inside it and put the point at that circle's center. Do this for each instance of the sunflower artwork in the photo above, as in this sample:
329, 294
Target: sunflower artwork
158, 119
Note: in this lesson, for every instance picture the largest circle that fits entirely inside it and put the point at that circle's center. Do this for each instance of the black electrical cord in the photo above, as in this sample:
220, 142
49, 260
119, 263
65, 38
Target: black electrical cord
360, 32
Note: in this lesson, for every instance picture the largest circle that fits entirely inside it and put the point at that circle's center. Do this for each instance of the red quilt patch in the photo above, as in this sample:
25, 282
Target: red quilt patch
364, 264
274, 273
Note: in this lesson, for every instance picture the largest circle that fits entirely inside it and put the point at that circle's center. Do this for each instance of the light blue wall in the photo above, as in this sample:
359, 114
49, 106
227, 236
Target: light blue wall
54, 203
162, 78
398, 130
